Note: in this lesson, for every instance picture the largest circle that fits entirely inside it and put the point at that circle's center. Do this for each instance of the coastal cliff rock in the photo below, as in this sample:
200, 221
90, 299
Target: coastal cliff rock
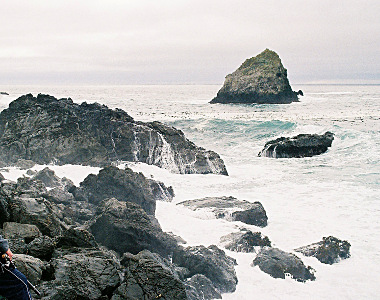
260, 79
230, 209
45, 130
328, 251
302, 145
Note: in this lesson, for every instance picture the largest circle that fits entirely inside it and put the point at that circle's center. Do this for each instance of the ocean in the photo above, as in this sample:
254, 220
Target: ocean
336, 193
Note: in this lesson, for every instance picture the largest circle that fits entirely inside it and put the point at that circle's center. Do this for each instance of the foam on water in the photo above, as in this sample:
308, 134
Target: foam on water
336, 193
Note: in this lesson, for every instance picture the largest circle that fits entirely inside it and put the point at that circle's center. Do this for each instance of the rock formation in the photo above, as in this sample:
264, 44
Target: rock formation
244, 241
279, 264
328, 251
231, 209
302, 145
44, 129
260, 79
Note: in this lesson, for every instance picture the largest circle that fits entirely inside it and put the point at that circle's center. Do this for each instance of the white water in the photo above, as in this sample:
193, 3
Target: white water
337, 193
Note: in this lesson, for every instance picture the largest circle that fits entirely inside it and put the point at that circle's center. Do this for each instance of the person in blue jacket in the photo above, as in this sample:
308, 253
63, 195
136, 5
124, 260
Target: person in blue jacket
13, 284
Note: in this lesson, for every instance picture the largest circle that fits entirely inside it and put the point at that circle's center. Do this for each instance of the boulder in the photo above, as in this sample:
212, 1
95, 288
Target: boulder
260, 79
124, 185
211, 262
82, 274
30, 266
45, 130
148, 276
279, 264
42, 247
204, 288
231, 209
302, 145
328, 251
125, 227
244, 241
25, 231
76, 237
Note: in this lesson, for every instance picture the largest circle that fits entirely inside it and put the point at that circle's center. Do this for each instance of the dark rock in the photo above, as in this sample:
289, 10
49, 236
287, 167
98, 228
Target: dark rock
48, 178
25, 164
302, 145
231, 209
328, 251
4, 93
278, 264
204, 288
2, 177
212, 262
77, 237
125, 227
30, 266
42, 247
244, 241
300, 93
25, 231
260, 79
82, 274
124, 185
17, 245
44, 129
148, 276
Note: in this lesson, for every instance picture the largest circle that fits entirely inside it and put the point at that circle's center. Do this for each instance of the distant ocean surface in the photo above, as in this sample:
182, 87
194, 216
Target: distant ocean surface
336, 193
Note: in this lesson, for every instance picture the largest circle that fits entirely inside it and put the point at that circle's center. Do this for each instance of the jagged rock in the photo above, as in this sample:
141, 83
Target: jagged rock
204, 288
260, 79
148, 276
124, 185
328, 251
30, 266
302, 145
125, 227
77, 237
44, 129
278, 264
25, 231
42, 247
82, 274
2, 177
231, 209
244, 241
25, 164
212, 262
48, 178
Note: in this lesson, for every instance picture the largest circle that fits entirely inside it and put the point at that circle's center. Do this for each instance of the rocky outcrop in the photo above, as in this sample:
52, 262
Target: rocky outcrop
231, 209
279, 264
328, 251
125, 227
124, 185
302, 145
45, 130
4, 93
244, 241
211, 262
260, 79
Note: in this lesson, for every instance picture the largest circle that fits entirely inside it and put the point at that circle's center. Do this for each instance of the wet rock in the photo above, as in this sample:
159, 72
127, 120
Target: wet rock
279, 264
125, 227
82, 274
328, 251
244, 241
231, 209
44, 129
124, 185
204, 288
42, 247
211, 262
260, 79
148, 276
302, 145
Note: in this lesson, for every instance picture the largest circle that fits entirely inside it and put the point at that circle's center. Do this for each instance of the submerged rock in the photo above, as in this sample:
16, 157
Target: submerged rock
231, 209
45, 130
244, 241
302, 145
328, 251
279, 264
211, 262
260, 79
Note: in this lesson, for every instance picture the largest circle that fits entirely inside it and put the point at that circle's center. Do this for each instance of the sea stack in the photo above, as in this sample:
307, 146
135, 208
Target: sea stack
260, 79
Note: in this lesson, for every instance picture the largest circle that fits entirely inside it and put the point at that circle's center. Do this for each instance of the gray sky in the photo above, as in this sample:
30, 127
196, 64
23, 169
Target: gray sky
162, 41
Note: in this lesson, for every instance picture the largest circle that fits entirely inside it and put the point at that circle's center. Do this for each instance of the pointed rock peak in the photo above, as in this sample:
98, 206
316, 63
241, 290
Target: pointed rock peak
267, 57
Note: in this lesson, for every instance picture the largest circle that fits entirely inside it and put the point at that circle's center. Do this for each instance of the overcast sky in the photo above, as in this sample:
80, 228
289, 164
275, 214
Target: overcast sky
198, 41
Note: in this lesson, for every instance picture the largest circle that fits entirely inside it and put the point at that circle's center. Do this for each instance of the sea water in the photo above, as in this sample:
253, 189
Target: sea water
336, 193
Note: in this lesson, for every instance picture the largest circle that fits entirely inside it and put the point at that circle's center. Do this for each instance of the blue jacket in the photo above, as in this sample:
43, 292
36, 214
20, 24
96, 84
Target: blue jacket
3, 245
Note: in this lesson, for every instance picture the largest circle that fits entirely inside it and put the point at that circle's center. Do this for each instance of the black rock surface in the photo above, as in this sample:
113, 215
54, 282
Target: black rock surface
45, 130
279, 264
231, 209
328, 251
302, 145
260, 79
244, 241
